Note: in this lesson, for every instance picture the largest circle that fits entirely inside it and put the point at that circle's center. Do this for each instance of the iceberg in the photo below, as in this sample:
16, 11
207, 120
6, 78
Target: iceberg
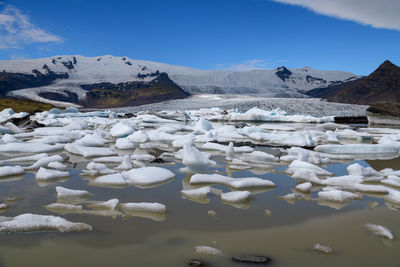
236, 196
148, 176
88, 152
11, 171
121, 130
46, 174
33, 223
379, 230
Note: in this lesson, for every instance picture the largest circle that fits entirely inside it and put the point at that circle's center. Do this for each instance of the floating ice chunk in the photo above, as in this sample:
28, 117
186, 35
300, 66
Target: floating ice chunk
144, 206
392, 180
236, 196
116, 159
124, 143
148, 176
25, 147
354, 183
305, 155
357, 149
5, 130
121, 130
138, 137
52, 140
357, 169
46, 174
304, 187
11, 171
57, 165
202, 126
304, 175
393, 197
89, 151
113, 180
44, 162
331, 126
194, 159
63, 208
207, 250
33, 222
230, 152
126, 164
14, 128
93, 168
143, 157
322, 248
8, 138
336, 195
258, 156
235, 183
196, 193
65, 193
110, 204
27, 158
91, 140
305, 166
332, 137
380, 230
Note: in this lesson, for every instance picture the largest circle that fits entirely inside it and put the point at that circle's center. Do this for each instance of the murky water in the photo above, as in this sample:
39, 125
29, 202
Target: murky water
287, 235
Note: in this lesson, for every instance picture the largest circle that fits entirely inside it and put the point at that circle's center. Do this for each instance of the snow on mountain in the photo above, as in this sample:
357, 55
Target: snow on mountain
92, 70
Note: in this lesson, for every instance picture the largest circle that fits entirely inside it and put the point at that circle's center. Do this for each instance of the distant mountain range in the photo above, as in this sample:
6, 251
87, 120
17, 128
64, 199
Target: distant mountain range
381, 85
109, 81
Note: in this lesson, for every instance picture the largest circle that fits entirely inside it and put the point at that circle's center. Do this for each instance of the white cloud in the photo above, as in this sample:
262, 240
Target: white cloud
16, 29
249, 65
376, 13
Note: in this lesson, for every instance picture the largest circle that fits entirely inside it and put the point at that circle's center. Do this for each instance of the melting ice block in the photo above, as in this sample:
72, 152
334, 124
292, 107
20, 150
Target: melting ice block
121, 130
65, 193
336, 195
89, 151
358, 149
33, 222
11, 170
305, 166
148, 176
235, 183
379, 230
46, 174
236, 196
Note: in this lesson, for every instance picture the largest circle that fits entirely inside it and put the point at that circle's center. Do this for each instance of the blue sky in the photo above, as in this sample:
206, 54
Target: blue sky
352, 35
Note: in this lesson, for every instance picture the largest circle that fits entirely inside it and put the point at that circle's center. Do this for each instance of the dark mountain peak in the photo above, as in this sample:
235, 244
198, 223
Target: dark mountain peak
381, 85
386, 67
283, 73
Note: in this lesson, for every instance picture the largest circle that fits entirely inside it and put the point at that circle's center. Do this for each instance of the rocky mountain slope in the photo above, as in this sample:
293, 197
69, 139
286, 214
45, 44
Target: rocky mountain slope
381, 85
62, 79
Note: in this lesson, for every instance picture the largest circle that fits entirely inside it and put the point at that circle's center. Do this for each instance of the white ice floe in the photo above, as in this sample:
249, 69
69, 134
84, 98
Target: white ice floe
236, 183
393, 197
144, 206
202, 126
11, 171
207, 250
46, 174
194, 159
93, 168
33, 222
124, 143
322, 248
25, 147
27, 158
368, 173
57, 165
121, 130
65, 193
147, 176
89, 151
90, 140
379, 230
305, 166
110, 204
236, 196
304, 187
336, 195
8, 138
258, 157
113, 180
138, 137
143, 157
44, 162
126, 164
358, 149
196, 193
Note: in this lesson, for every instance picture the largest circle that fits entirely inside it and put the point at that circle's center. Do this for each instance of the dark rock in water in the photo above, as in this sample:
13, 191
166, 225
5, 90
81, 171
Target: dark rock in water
240, 124
351, 119
196, 263
25, 122
252, 259
384, 113
158, 160
224, 112
126, 116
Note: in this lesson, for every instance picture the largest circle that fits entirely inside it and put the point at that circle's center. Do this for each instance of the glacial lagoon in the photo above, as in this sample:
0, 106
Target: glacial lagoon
275, 221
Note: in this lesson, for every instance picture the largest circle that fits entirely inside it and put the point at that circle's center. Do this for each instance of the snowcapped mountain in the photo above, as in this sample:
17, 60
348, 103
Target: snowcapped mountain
62, 78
